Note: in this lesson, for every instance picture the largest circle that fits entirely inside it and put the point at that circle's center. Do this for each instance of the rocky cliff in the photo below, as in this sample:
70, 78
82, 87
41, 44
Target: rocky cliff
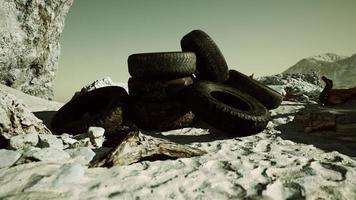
29, 43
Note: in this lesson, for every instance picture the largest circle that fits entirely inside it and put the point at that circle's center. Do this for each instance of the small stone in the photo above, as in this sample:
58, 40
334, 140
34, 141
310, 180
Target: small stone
96, 132
21, 141
80, 136
83, 154
50, 141
67, 140
70, 173
8, 157
98, 142
96, 135
49, 155
82, 143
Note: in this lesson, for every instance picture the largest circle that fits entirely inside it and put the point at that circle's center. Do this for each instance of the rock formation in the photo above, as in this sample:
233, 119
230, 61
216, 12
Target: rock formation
295, 87
16, 119
29, 44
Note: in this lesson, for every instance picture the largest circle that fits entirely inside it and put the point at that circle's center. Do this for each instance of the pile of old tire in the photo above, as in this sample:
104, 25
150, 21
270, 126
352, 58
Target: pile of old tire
156, 81
168, 90
227, 100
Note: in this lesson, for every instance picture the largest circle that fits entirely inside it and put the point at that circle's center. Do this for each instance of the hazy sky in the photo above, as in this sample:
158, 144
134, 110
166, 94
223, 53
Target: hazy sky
262, 37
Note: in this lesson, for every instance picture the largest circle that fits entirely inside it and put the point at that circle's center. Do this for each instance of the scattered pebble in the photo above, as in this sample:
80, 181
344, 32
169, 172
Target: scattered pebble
21, 141
67, 140
96, 135
46, 140
82, 143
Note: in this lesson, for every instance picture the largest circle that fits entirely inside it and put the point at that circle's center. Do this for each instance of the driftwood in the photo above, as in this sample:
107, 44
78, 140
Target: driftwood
137, 147
334, 97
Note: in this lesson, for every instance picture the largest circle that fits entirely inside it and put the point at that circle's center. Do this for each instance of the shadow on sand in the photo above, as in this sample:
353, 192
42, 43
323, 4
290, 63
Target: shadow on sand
210, 135
294, 132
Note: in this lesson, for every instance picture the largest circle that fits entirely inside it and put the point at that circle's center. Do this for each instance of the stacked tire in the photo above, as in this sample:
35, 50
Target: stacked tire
155, 86
227, 100
168, 89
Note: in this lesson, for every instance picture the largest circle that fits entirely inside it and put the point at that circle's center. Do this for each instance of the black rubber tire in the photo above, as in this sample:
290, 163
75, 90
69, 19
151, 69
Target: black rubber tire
270, 98
162, 65
211, 64
227, 108
103, 107
161, 116
156, 90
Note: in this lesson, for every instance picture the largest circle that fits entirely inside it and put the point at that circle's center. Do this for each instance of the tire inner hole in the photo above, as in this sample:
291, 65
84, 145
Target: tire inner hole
230, 100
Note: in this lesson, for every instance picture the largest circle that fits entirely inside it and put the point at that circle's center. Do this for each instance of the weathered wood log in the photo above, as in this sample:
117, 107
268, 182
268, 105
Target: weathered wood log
138, 147
334, 97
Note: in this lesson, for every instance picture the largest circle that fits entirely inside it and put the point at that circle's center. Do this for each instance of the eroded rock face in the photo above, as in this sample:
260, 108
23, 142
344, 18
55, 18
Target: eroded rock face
29, 44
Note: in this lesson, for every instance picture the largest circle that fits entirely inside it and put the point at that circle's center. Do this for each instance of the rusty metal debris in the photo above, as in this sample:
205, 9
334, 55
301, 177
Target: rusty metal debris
334, 97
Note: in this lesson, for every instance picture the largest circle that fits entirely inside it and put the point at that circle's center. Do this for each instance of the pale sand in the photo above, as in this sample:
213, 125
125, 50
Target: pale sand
279, 163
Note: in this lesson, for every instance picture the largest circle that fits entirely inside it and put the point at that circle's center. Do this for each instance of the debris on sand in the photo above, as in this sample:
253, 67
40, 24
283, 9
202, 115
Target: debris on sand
333, 97
330, 123
138, 147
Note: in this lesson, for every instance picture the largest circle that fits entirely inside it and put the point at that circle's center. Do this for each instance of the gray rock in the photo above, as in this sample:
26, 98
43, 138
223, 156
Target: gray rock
82, 143
17, 119
96, 132
8, 157
70, 173
29, 44
82, 155
67, 140
22, 141
96, 135
308, 84
97, 142
50, 141
48, 155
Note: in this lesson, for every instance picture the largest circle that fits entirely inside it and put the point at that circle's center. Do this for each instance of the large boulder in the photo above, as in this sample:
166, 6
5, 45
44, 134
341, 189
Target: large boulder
29, 44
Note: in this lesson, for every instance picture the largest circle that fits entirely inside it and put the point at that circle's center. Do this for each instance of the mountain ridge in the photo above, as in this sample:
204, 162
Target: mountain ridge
340, 69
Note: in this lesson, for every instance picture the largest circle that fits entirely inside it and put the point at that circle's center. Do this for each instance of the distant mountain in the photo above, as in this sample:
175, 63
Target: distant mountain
341, 69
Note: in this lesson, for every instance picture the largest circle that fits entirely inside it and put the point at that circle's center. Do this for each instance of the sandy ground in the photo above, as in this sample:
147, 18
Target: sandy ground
279, 163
